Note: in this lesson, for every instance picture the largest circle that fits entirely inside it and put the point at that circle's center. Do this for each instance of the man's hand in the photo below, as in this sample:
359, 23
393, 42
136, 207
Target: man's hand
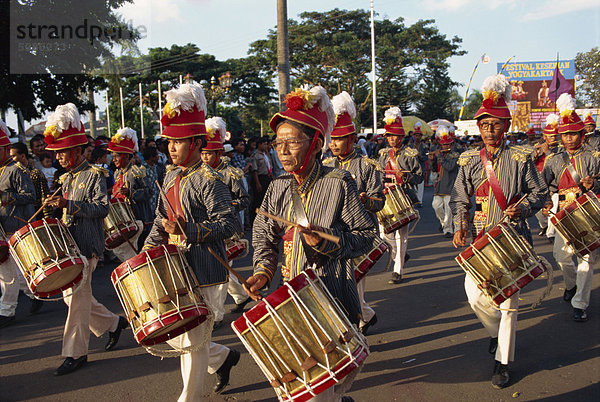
124, 191
363, 197
513, 211
171, 227
55, 202
460, 238
256, 283
311, 238
547, 208
587, 182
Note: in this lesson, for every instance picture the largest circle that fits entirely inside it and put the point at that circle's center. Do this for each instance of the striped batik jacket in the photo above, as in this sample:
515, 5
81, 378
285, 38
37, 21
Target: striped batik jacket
407, 160
330, 200
516, 175
17, 196
209, 216
140, 193
232, 177
447, 172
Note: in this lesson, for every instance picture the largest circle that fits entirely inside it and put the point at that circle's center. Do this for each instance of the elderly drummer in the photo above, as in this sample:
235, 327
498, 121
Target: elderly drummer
402, 167
197, 214
569, 173
316, 197
496, 176
130, 179
17, 197
364, 171
232, 176
84, 203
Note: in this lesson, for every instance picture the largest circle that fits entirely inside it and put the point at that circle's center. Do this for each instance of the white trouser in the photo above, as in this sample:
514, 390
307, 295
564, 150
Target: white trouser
580, 275
214, 297
441, 206
366, 310
420, 188
125, 251
551, 231
236, 290
398, 241
542, 219
85, 315
11, 281
499, 324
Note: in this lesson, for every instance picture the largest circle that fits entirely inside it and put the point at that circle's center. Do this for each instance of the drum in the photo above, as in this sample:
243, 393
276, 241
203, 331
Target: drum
397, 211
236, 247
579, 224
504, 259
364, 263
300, 339
119, 224
157, 291
47, 256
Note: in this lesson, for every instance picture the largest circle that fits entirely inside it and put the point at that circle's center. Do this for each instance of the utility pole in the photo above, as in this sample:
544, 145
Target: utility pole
373, 68
92, 112
283, 53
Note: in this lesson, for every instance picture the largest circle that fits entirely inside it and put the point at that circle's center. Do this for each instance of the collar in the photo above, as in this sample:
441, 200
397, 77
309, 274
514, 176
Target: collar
577, 151
311, 178
187, 171
350, 156
496, 154
82, 166
8, 162
220, 166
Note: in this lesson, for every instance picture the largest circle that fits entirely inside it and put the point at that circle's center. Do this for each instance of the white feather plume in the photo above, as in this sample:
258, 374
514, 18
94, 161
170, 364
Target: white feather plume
127, 133
343, 103
186, 97
552, 119
64, 117
324, 104
442, 130
565, 102
4, 129
418, 125
392, 114
498, 83
216, 124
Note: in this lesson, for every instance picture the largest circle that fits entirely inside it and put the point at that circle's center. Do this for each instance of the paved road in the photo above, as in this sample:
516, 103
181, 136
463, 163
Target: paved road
427, 346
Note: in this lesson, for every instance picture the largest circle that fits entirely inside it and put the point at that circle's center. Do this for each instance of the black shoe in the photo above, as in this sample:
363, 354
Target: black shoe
70, 365
36, 305
551, 239
448, 235
239, 308
371, 322
347, 399
217, 325
500, 377
440, 228
113, 337
6, 321
396, 279
223, 372
579, 315
406, 258
569, 293
542, 232
493, 346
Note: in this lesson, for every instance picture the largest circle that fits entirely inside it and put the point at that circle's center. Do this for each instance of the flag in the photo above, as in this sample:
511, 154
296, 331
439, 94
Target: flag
485, 59
559, 85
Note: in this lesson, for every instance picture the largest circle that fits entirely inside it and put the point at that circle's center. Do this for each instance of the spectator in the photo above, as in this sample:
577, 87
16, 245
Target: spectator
37, 146
154, 171
19, 153
48, 170
261, 172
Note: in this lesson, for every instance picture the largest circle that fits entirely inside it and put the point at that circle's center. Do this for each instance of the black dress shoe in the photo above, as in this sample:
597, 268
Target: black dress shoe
239, 308
493, 346
6, 321
542, 232
448, 235
223, 372
396, 279
36, 305
371, 322
579, 315
500, 377
569, 293
70, 365
113, 337
217, 325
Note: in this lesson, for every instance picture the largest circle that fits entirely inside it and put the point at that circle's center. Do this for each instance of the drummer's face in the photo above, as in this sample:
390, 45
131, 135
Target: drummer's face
120, 159
572, 141
339, 146
551, 139
208, 157
63, 156
492, 130
292, 146
179, 150
395, 141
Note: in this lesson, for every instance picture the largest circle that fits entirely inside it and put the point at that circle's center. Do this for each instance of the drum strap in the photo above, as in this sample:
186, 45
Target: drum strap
173, 198
394, 164
571, 168
492, 179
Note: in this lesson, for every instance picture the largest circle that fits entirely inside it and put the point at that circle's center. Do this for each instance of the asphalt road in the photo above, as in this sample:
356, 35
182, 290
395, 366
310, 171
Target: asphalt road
427, 345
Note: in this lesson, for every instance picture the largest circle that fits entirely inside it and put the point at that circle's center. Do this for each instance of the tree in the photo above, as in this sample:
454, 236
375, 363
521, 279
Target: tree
587, 67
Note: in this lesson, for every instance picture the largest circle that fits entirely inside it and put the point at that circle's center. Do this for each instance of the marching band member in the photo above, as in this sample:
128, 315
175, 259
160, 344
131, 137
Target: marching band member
17, 196
84, 203
317, 197
401, 167
569, 173
447, 169
130, 186
364, 171
497, 176
205, 214
212, 156
421, 149
589, 126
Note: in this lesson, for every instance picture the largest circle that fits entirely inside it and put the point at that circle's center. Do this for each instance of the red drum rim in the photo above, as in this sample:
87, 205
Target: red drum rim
371, 259
116, 239
126, 267
586, 197
275, 299
55, 268
200, 311
401, 223
483, 241
33, 225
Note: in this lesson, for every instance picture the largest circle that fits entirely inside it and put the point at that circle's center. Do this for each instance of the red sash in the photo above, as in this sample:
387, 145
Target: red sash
394, 165
119, 183
493, 180
174, 200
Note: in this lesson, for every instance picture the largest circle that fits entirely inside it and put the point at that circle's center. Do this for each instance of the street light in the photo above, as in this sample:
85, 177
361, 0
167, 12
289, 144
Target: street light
218, 91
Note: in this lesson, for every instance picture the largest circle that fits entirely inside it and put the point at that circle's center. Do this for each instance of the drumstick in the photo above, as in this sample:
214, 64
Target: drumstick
43, 205
515, 204
375, 198
396, 171
171, 208
322, 235
228, 267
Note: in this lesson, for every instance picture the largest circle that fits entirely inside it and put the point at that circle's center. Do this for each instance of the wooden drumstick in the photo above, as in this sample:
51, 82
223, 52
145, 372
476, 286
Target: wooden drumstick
515, 204
322, 235
374, 198
229, 268
171, 209
43, 205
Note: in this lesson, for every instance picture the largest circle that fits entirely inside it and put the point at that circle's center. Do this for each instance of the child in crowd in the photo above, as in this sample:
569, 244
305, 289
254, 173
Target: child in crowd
48, 170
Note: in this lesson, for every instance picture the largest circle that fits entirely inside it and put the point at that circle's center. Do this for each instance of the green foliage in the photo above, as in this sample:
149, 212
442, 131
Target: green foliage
587, 67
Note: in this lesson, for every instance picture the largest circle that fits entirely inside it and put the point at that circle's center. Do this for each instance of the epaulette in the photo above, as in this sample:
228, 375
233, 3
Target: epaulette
139, 172
411, 152
234, 172
225, 159
171, 167
99, 170
383, 151
21, 167
372, 162
520, 153
465, 157
596, 154
329, 160
62, 178
210, 173
550, 156
336, 173
454, 155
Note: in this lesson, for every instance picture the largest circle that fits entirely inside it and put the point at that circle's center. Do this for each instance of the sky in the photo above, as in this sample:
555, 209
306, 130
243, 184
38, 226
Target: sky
527, 30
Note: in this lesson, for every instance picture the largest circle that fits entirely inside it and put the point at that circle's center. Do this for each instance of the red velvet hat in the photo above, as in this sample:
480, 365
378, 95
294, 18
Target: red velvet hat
417, 128
551, 124
589, 120
496, 93
443, 135
531, 130
393, 121
4, 133
345, 111
184, 112
570, 122
124, 141
311, 108
215, 129
64, 129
